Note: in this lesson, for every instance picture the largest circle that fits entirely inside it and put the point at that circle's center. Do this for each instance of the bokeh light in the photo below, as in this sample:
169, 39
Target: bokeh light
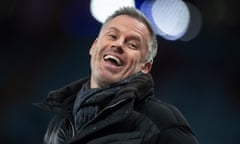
101, 9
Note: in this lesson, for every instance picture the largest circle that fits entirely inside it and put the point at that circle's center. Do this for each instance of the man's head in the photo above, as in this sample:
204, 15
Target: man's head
125, 45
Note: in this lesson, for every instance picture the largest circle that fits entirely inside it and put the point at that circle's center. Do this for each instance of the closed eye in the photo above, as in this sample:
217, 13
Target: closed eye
113, 37
132, 45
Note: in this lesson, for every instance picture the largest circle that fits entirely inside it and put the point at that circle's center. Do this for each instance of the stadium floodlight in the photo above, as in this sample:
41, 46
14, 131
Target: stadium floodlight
101, 9
171, 17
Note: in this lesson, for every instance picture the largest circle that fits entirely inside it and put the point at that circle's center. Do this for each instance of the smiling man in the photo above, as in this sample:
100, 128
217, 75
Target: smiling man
119, 51
116, 103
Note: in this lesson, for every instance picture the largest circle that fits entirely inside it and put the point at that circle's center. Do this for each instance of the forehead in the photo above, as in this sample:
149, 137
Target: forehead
127, 24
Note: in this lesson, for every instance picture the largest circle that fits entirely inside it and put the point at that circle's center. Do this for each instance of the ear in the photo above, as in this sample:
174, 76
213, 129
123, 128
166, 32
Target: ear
147, 67
93, 47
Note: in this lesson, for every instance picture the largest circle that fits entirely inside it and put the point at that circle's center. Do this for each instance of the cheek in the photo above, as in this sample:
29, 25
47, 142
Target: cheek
94, 53
93, 57
136, 58
135, 62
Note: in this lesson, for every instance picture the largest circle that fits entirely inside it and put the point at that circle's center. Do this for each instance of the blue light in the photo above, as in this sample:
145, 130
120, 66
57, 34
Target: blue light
171, 19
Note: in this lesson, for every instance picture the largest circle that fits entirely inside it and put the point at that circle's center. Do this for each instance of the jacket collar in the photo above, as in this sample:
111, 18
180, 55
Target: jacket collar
61, 100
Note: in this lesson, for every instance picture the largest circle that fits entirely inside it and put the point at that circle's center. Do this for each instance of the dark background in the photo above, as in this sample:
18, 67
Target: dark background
44, 45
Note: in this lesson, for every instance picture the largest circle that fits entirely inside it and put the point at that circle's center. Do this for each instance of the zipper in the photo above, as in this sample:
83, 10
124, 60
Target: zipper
104, 109
73, 129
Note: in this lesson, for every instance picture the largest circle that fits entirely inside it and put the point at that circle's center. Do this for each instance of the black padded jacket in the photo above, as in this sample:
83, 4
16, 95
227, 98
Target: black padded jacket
133, 116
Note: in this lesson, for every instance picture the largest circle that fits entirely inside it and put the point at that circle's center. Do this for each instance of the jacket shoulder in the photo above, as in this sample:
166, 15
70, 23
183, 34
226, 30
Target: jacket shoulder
173, 126
163, 114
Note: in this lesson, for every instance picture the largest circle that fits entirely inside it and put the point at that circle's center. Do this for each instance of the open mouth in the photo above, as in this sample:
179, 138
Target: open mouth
114, 60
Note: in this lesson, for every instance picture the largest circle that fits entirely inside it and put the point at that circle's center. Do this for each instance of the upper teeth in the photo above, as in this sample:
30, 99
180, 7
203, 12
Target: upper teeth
112, 57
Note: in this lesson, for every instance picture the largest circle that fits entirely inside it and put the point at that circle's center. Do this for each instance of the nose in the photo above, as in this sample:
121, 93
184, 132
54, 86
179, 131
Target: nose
117, 47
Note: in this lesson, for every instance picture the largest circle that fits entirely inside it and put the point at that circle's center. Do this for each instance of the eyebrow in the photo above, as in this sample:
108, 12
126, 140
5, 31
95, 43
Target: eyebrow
113, 28
132, 37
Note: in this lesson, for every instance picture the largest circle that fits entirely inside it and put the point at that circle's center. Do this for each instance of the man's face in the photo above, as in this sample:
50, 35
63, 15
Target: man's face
119, 51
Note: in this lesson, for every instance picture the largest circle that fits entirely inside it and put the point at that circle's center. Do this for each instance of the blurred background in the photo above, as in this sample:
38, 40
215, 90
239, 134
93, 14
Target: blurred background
44, 45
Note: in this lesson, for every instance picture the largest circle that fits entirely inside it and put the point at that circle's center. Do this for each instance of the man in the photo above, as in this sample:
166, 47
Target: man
116, 104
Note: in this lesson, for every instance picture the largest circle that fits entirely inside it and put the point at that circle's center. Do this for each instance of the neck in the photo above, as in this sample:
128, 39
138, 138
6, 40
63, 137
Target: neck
97, 84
